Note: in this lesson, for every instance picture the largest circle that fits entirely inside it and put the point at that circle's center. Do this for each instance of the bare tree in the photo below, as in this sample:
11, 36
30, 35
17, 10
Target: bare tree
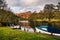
58, 6
3, 4
49, 7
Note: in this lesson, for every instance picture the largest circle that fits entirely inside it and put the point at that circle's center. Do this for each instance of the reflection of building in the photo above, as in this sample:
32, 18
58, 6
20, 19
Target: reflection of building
25, 15
25, 23
25, 26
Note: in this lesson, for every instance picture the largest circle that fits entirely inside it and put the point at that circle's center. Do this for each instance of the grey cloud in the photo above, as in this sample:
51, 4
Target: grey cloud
11, 2
25, 3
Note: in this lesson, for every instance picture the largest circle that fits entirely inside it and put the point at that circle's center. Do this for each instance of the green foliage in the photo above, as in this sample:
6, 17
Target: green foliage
10, 34
49, 7
8, 17
35, 23
44, 16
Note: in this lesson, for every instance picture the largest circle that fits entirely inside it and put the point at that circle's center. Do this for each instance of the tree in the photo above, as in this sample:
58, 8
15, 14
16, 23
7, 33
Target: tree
32, 19
3, 4
58, 6
49, 8
7, 17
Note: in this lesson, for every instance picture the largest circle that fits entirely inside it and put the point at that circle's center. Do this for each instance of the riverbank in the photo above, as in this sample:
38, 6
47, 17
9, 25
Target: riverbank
10, 34
31, 30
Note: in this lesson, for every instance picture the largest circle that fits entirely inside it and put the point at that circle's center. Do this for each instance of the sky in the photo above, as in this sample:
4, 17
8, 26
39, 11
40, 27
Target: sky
19, 6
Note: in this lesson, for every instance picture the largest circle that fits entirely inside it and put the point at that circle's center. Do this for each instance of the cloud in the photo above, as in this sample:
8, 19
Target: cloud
26, 5
11, 2
25, 9
29, 2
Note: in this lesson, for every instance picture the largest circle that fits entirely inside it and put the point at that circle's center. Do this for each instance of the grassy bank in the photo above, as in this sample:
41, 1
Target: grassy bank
10, 34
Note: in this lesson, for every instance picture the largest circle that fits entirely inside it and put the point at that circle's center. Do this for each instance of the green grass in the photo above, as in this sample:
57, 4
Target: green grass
10, 34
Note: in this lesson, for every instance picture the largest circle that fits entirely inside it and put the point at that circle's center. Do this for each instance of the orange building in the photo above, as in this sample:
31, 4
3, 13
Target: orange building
24, 15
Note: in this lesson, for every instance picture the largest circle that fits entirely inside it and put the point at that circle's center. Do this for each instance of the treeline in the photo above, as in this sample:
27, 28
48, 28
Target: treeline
45, 15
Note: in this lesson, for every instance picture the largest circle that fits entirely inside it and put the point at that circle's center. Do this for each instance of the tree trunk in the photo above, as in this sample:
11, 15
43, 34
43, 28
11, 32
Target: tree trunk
34, 26
51, 34
50, 25
34, 29
24, 29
